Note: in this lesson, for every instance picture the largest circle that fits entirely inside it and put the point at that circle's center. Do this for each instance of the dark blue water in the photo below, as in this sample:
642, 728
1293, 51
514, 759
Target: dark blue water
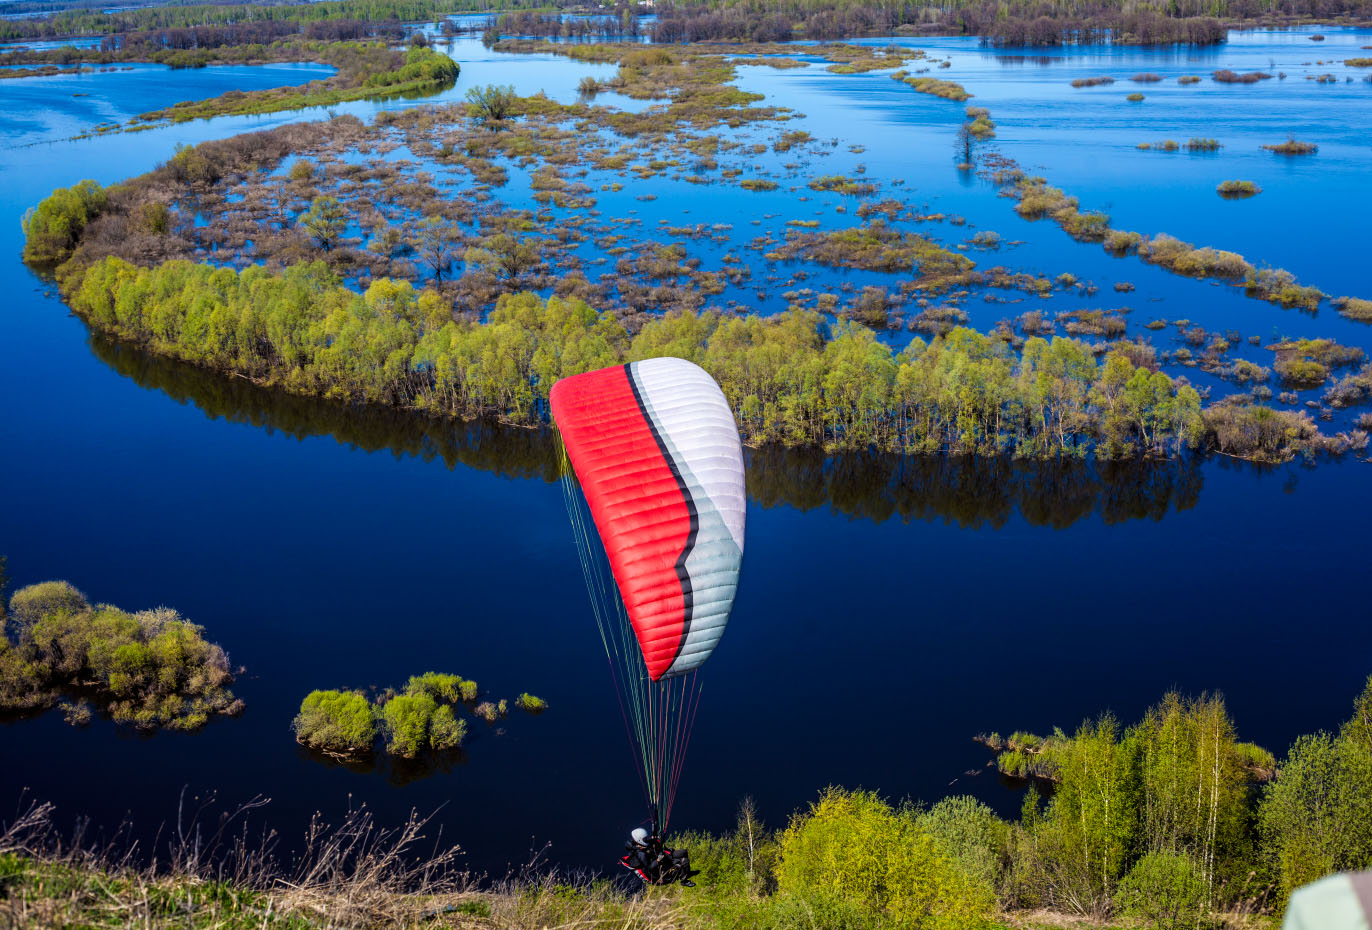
889, 610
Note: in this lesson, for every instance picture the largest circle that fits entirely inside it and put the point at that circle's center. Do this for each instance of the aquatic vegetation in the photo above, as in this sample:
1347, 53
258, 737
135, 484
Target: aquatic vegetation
1203, 145
875, 247
1225, 76
151, 668
1189, 79
1355, 308
1278, 286
843, 185
1134, 98
490, 103
948, 90
1235, 190
1146, 78
758, 184
1092, 81
530, 703
336, 722
979, 123
1093, 323
1358, 62
1293, 147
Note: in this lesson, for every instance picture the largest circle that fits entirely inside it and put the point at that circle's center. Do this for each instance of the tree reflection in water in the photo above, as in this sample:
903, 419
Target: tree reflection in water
974, 493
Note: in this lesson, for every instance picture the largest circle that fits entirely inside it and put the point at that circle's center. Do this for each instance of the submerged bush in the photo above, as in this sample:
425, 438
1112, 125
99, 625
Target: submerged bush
1234, 190
1225, 76
151, 668
529, 702
1292, 147
338, 722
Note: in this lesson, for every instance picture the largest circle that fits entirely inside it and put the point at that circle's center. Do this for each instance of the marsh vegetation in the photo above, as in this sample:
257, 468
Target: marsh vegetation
151, 669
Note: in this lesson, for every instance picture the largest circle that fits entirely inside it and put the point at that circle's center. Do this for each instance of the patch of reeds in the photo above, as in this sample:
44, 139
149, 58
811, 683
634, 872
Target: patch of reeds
1093, 81
1225, 76
1237, 190
1293, 147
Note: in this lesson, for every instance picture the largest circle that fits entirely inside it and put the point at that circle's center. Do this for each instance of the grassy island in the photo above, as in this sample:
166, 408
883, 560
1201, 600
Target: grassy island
151, 668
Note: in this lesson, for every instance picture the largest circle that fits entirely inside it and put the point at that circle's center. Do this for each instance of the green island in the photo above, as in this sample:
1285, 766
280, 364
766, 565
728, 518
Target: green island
420, 718
365, 70
151, 669
1171, 822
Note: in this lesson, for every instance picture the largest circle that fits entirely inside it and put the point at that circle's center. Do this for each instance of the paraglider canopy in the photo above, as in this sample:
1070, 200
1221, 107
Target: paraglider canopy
657, 452
1338, 902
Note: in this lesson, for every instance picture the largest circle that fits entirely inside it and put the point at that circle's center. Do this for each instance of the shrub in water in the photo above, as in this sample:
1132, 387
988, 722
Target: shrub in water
405, 720
529, 702
339, 722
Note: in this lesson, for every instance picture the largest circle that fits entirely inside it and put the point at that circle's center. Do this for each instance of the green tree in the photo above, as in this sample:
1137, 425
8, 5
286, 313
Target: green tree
1316, 815
491, 103
325, 221
406, 720
436, 241
854, 848
53, 228
339, 722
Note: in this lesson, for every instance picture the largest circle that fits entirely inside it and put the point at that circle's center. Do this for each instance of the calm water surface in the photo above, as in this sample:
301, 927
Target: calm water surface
889, 610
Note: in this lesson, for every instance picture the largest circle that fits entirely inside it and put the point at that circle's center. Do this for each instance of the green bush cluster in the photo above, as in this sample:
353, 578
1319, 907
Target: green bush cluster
420, 719
151, 668
52, 229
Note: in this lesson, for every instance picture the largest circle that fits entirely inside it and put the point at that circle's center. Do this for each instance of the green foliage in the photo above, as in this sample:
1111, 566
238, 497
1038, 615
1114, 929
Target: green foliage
491, 103
442, 687
366, 70
1316, 815
971, 834
339, 722
853, 849
531, 703
1165, 891
446, 731
52, 229
787, 381
325, 221
405, 721
152, 668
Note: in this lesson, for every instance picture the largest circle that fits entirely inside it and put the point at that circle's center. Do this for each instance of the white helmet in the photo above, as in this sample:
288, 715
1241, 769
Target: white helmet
639, 836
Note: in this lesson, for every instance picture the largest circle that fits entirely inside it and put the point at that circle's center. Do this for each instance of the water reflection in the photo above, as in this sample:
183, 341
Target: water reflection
971, 493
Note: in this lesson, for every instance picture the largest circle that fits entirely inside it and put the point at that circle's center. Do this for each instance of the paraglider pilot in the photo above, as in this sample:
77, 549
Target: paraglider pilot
649, 858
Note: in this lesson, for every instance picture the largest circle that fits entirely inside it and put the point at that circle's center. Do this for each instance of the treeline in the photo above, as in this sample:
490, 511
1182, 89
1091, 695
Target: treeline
151, 668
1021, 22
529, 23
105, 22
791, 379
1170, 823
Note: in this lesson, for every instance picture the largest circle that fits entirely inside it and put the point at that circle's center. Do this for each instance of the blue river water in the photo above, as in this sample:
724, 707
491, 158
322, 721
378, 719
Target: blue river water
889, 610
